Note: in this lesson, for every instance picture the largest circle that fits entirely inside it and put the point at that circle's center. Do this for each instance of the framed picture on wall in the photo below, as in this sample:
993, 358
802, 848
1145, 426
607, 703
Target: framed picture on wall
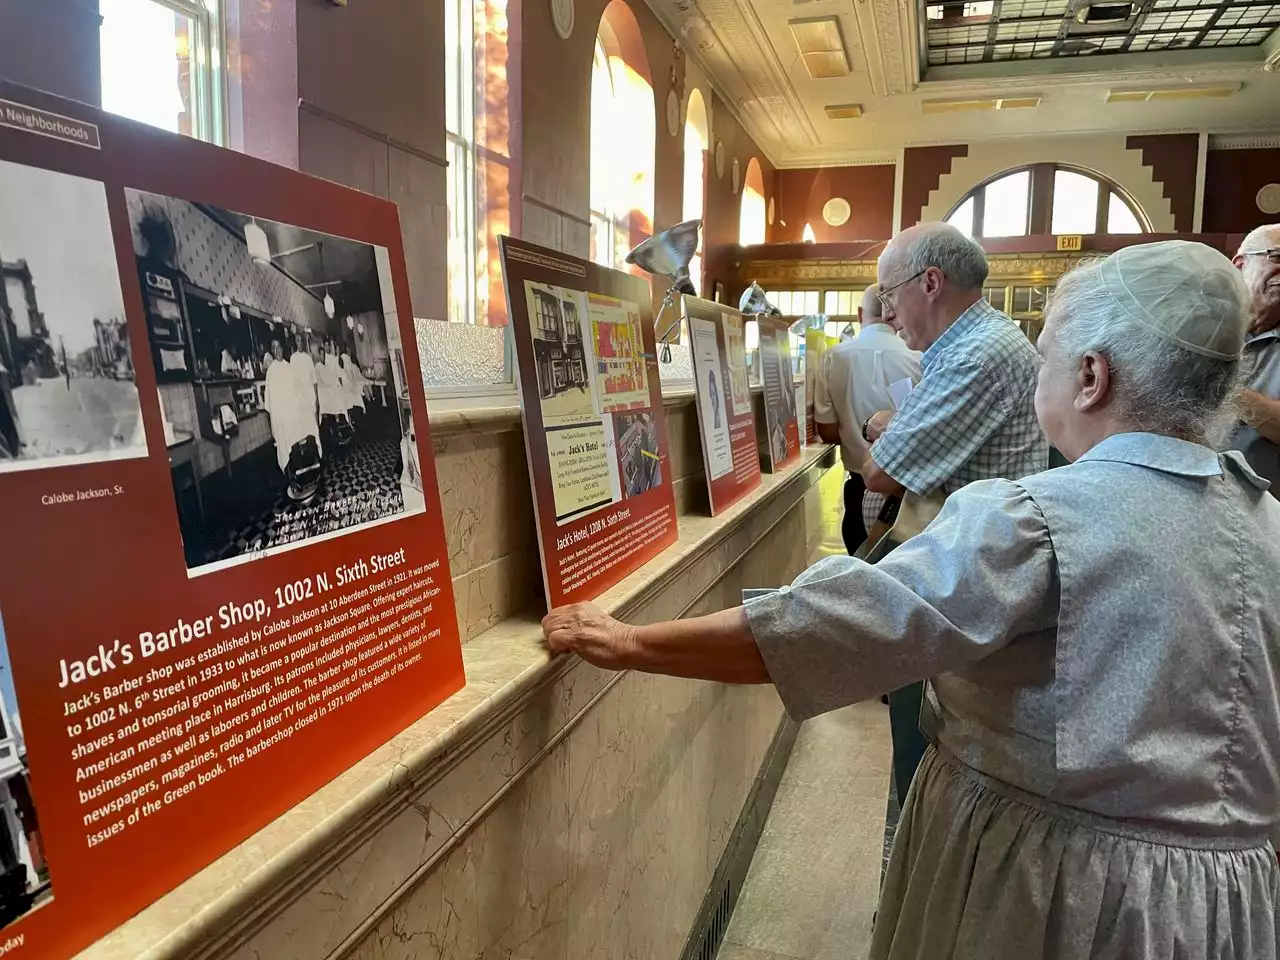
719, 292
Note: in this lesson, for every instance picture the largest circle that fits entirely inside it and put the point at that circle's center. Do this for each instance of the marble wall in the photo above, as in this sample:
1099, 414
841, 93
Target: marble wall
493, 547
606, 847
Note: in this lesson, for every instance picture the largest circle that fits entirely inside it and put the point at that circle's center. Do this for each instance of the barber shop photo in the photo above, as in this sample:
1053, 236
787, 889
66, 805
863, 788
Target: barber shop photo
285, 412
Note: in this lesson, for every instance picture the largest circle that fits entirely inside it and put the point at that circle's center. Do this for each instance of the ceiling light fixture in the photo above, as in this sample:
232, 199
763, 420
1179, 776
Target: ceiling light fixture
1186, 91
844, 111
821, 46
1020, 102
255, 238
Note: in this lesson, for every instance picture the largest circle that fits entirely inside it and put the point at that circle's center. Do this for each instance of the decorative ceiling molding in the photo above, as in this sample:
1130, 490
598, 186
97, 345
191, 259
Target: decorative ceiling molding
1228, 71
761, 97
803, 162
1243, 141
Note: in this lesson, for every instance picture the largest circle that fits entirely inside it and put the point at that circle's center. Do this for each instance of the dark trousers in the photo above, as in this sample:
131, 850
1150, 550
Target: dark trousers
904, 729
852, 530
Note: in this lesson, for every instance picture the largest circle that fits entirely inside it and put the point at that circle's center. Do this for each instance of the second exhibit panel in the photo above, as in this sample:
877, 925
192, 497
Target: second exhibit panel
729, 452
594, 429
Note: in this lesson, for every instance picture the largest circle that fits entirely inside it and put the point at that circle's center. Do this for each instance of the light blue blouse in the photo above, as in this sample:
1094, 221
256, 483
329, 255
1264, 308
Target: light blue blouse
1106, 634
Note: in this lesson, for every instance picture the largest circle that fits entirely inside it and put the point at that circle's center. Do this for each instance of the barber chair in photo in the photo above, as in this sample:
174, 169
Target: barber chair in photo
343, 431
302, 472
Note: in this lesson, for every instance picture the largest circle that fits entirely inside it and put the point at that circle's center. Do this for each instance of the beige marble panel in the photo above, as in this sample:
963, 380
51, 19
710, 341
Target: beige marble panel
486, 516
498, 590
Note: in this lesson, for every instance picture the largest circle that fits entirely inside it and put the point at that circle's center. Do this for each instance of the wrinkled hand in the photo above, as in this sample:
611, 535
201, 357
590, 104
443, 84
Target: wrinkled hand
878, 424
585, 629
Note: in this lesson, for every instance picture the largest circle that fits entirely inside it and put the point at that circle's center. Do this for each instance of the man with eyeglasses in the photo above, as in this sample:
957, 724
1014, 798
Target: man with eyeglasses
972, 416
1258, 435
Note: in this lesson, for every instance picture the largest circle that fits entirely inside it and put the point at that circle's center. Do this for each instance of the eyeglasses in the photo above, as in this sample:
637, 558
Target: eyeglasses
884, 295
1272, 254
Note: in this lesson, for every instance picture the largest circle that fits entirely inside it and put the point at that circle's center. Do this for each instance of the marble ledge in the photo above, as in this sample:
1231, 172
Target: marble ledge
505, 667
498, 414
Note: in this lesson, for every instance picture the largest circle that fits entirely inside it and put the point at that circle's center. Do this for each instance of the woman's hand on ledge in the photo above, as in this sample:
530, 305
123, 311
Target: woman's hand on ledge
719, 646
585, 629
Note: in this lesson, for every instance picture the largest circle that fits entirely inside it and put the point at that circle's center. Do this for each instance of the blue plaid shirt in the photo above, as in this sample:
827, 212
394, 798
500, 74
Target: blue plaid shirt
973, 415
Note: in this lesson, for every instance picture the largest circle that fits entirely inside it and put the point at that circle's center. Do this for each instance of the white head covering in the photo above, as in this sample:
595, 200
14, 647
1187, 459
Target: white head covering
1183, 292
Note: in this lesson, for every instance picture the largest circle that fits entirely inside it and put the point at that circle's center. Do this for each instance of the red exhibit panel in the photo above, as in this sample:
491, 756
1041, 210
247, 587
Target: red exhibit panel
777, 372
730, 455
228, 578
594, 429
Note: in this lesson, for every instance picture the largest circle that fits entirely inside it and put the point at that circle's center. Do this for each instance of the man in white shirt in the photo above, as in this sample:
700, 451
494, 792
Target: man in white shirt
851, 386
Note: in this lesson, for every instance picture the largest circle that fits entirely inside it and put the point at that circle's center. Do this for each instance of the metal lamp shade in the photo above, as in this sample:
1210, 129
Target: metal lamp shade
754, 302
669, 252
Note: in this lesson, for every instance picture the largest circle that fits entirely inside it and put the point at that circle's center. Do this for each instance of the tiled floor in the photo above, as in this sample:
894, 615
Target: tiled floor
812, 888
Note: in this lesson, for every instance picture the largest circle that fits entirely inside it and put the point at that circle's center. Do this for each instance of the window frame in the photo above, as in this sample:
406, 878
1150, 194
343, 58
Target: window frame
1040, 187
210, 91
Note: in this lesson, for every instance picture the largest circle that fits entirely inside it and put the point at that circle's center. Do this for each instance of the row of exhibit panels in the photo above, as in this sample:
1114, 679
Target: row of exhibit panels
595, 433
210, 361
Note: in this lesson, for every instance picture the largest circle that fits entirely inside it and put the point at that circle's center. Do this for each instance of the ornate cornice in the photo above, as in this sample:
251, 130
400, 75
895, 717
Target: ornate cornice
1243, 141
1004, 267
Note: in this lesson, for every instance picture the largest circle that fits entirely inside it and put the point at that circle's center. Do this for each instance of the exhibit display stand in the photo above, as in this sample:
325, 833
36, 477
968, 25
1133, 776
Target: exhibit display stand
730, 456
594, 429
228, 578
781, 397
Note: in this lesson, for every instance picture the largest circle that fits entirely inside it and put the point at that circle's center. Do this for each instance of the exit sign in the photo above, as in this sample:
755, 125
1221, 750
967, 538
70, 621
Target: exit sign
1070, 243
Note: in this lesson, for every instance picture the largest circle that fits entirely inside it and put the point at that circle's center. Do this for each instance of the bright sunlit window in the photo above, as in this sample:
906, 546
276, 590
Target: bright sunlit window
162, 64
1075, 202
696, 140
1070, 202
459, 125
1007, 206
807, 235
623, 143
753, 214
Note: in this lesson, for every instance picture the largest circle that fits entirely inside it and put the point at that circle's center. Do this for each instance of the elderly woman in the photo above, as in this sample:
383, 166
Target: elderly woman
1104, 646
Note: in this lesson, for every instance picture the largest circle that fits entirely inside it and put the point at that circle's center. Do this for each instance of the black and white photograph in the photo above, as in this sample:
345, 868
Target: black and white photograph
282, 390
556, 320
67, 390
24, 875
639, 459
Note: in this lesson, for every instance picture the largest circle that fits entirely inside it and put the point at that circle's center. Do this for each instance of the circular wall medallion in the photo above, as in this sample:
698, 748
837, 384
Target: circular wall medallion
771, 211
1269, 199
720, 159
737, 175
562, 18
673, 113
836, 211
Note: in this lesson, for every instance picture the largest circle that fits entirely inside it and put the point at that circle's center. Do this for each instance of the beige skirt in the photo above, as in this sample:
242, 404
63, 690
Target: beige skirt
983, 871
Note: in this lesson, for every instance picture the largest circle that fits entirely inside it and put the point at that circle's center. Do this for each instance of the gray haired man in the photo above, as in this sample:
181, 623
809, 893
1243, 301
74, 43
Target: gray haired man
1258, 435
973, 415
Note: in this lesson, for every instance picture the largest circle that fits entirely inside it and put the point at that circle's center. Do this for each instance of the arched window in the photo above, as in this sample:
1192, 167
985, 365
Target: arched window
696, 140
623, 139
808, 236
1047, 198
753, 213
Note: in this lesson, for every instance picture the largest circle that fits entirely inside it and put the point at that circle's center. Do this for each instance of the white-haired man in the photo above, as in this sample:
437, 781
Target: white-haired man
1258, 436
973, 415
851, 386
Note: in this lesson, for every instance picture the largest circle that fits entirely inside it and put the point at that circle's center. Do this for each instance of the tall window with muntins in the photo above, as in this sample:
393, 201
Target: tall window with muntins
1046, 198
164, 63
